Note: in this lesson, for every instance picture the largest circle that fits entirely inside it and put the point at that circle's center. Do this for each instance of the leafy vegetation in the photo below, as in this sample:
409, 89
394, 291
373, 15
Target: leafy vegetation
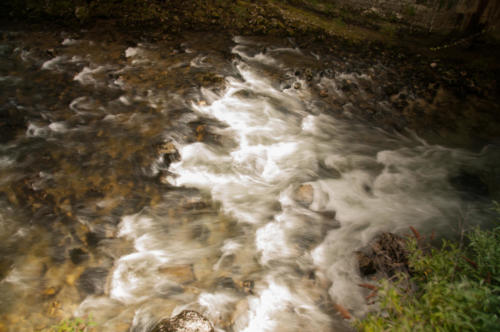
73, 325
454, 288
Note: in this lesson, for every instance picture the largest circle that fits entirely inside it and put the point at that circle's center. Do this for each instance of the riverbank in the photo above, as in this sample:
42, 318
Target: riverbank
316, 20
453, 286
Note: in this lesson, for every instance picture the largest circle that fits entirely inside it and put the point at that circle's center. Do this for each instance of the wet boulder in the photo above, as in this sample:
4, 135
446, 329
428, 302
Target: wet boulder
385, 255
186, 321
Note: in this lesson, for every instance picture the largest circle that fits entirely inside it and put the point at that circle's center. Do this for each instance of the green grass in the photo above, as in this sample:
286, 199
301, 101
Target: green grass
73, 325
453, 288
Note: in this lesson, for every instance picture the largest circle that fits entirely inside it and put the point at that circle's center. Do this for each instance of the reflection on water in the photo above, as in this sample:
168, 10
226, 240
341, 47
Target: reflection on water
231, 177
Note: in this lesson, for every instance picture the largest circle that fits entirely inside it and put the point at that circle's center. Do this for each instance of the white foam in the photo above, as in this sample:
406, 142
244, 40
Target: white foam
6, 162
136, 277
272, 242
279, 308
69, 41
134, 226
199, 62
58, 127
35, 130
229, 247
132, 52
259, 57
86, 76
125, 100
217, 305
53, 63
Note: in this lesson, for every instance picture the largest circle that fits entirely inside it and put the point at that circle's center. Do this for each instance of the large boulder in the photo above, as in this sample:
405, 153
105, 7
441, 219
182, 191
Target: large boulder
186, 321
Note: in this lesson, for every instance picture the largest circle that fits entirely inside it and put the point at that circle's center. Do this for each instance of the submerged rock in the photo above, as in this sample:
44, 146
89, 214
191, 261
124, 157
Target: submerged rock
78, 255
182, 274
92, 281
186, 321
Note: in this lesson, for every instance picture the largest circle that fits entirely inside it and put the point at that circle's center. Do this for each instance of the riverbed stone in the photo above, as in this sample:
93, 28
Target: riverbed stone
78, 255
305, 194
182, 274
186, 321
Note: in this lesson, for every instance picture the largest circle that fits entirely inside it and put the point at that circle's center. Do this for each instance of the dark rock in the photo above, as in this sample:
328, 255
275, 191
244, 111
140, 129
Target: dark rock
330, 215
92, 239
386, 255
78, 255
186, 321
390, 90
225, 282
5, 265
470, 185
248, 286
11, 122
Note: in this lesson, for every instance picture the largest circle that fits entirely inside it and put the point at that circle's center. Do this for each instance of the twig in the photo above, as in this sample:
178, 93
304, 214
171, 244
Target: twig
471, 262
342, 311
415, 233
368, 286
372, 294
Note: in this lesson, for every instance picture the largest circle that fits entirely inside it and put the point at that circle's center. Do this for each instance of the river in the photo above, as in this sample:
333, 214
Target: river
228, 175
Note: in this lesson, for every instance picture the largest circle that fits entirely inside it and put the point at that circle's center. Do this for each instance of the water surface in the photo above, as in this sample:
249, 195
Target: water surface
232, 176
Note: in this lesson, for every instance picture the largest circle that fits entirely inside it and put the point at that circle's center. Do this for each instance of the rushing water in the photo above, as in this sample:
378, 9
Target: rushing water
226, 176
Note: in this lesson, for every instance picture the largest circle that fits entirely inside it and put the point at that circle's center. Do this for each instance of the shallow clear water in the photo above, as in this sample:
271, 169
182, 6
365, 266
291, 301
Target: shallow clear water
231, 177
